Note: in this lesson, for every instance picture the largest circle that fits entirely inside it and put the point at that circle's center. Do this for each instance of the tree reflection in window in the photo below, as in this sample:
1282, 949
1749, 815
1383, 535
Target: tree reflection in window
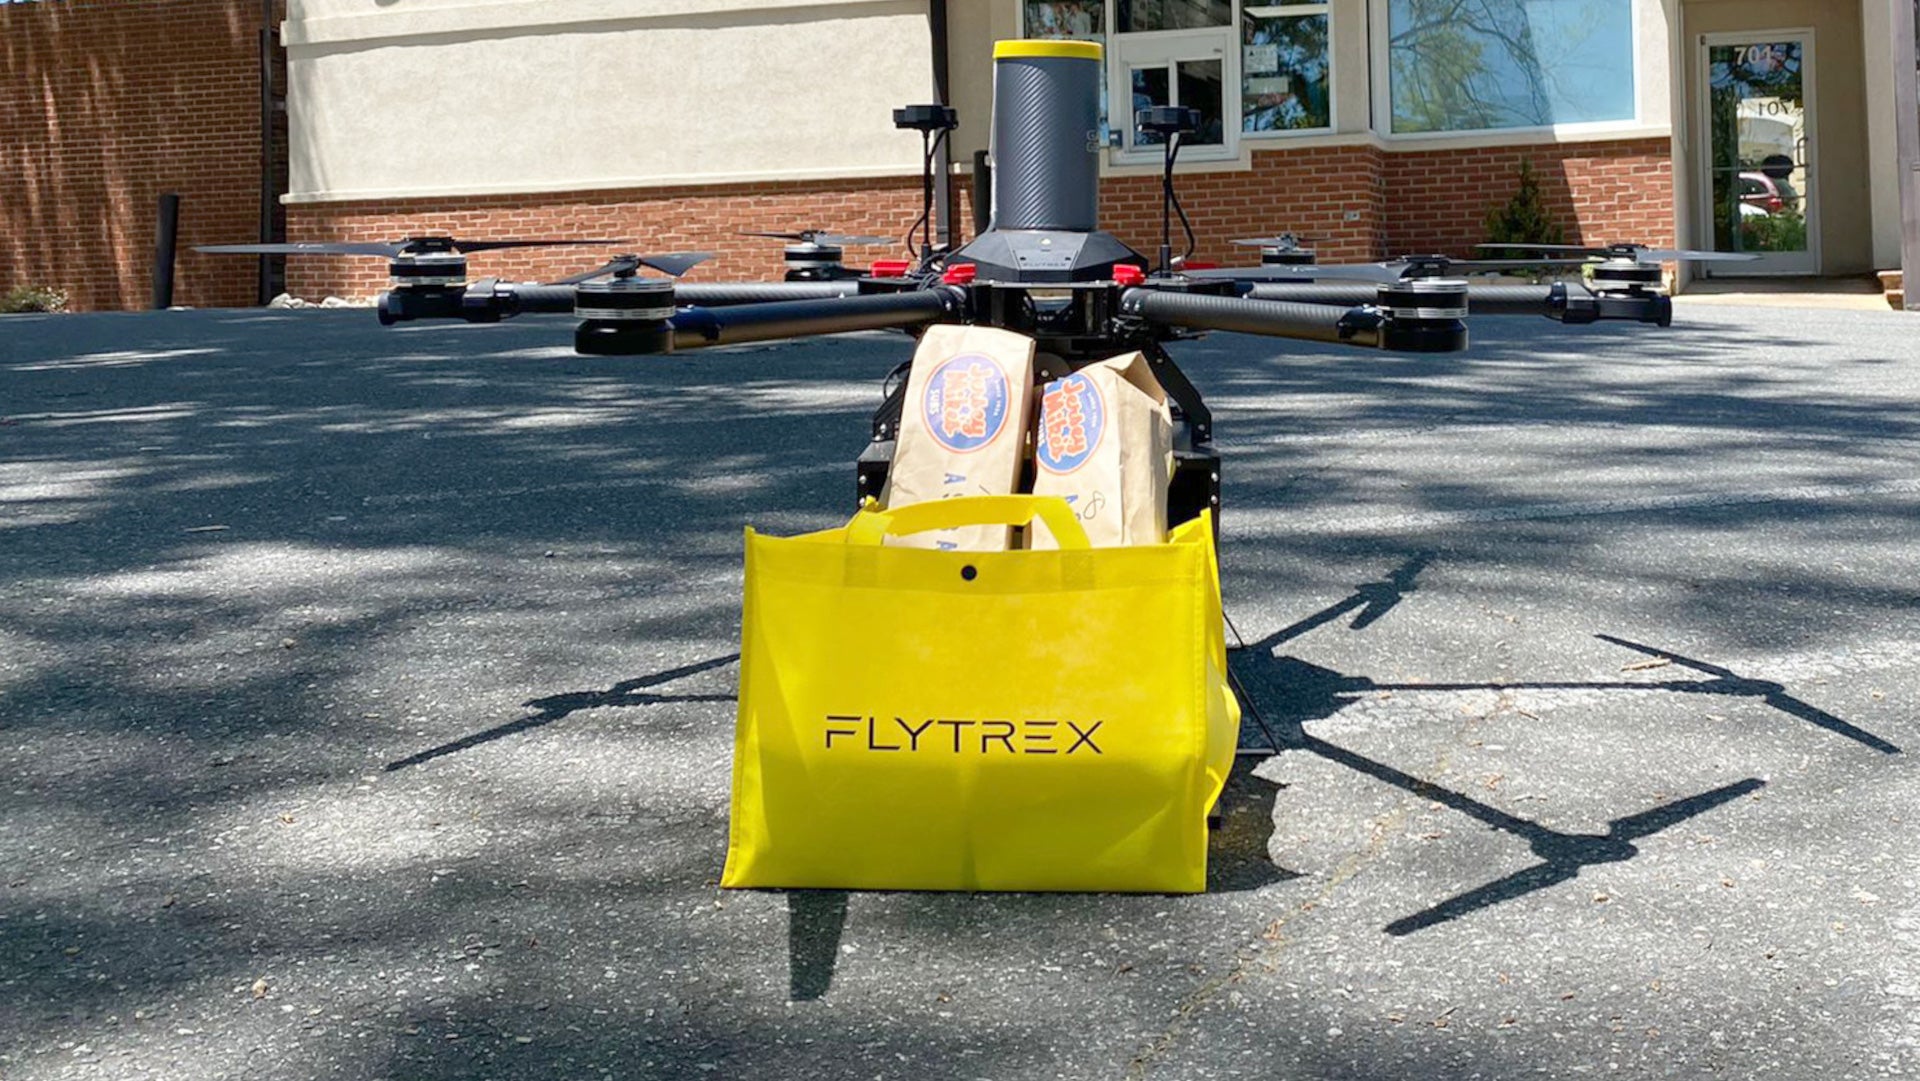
1468, 65
1144, 15
1283, 71
1756, 100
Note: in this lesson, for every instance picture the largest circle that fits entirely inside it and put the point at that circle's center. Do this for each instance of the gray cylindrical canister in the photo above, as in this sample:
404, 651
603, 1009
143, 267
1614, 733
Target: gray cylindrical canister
1046, 135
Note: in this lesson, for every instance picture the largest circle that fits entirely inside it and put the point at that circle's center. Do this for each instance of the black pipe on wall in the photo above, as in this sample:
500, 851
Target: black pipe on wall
166, 238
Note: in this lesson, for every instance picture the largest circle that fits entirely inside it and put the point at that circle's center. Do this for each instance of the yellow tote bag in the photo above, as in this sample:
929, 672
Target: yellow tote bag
939, 720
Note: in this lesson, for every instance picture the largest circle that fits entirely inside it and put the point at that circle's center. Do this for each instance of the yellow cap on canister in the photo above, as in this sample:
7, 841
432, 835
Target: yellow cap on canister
1030, 47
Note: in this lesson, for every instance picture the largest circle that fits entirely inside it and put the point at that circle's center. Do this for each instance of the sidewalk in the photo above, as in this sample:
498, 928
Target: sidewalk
1855, 293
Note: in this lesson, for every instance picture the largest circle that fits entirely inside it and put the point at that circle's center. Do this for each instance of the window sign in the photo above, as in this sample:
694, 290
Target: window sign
1283, 68
1472, 65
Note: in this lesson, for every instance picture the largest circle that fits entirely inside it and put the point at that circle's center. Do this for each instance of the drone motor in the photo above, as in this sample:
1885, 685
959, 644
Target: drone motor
1624, 275
813, 256
623, 315
1277, 256
1428, 315
429, 269
817, 255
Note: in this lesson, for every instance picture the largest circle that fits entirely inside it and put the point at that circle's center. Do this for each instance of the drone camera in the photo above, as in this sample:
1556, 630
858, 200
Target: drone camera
1168, 120
927, 118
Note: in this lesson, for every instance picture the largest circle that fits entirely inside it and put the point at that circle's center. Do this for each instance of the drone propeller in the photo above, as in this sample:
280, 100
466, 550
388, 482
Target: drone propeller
1639, 253
824, 238
672, 264
422, 245
1287, 241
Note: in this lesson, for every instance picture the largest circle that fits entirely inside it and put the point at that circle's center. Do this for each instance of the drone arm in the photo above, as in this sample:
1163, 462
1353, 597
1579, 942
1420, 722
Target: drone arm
727, 294
522, 299
1306, 322
489, 301
696, 328
526, 299
1481, 299
1559, 301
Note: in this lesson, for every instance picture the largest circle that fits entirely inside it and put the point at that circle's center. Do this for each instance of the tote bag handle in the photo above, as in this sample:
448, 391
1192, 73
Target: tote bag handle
869, 526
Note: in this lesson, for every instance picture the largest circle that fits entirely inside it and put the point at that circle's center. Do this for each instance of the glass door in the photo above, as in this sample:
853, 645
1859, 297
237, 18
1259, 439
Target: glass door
1193, 68
1759, 186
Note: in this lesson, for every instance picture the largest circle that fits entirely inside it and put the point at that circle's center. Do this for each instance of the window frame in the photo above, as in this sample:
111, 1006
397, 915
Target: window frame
1380, 61
1120, 84
1333, 108
1233, 82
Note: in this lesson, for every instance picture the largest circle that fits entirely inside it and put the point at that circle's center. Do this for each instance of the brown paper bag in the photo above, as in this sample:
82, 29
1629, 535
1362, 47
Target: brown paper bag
963, 428
1105, 443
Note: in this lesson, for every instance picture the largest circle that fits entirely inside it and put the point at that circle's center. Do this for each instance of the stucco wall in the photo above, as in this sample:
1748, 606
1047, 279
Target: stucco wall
470, 97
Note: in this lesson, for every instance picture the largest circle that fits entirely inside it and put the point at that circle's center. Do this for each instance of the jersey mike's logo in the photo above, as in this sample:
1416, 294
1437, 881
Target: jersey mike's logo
1073, 417
966, 402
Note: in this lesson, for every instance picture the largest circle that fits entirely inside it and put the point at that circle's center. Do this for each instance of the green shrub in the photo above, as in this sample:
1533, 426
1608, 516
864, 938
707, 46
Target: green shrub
1524, 219
29, 298
1783, 230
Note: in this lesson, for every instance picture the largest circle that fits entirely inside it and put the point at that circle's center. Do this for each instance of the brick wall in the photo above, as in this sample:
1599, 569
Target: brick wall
1305, 192
104, 105
694, 218
1601, 192
1400, 203
1404, 203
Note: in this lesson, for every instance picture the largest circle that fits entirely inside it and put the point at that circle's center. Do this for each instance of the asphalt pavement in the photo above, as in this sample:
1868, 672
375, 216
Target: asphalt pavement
366, 701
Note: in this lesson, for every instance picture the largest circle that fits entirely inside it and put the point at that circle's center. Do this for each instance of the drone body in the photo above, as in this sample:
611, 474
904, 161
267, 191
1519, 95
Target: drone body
1043, 268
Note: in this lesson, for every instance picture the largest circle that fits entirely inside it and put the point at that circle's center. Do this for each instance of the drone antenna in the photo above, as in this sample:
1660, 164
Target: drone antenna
933, 122
1169, 122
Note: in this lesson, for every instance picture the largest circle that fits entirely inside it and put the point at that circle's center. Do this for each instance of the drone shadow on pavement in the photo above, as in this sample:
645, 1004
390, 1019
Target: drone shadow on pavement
556, 707
1305, 692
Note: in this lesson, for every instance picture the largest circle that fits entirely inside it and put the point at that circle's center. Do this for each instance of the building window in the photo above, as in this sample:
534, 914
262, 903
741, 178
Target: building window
1141, 16
1475, 65
1078, 20
1081, 20
1283, 68
1184, 52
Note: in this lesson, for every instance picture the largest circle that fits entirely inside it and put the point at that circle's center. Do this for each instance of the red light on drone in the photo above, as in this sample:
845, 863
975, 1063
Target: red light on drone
1128, 274
959, 274
890, 268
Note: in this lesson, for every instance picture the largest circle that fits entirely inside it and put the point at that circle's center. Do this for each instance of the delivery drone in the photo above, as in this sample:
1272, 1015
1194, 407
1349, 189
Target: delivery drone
1042, 268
